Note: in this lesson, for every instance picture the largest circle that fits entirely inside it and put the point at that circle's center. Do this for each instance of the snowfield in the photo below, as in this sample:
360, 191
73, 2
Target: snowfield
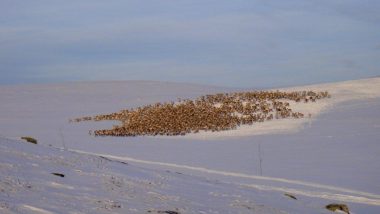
341, 92
96, 184
332, 157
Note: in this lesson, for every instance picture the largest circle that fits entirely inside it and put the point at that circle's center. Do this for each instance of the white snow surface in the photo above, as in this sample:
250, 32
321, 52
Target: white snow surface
331, 157
341, 92
96, 184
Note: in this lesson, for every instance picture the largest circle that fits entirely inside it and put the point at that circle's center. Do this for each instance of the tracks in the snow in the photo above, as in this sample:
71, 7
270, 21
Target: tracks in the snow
320, 190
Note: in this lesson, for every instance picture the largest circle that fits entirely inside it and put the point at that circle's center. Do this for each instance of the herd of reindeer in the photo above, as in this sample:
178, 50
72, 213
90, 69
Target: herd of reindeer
218, 112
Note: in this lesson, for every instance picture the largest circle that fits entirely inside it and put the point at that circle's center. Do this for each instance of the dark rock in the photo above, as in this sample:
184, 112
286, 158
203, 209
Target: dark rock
58, 174
341, 207
290, 196
30, 140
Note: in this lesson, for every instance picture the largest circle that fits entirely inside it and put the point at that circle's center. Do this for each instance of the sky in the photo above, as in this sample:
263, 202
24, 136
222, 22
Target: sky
239, 43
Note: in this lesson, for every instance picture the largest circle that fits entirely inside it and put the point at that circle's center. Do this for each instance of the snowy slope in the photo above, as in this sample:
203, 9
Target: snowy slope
93, 184
333, 156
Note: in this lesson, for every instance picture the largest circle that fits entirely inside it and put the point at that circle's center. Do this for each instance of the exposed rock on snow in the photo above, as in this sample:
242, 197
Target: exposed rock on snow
338, 207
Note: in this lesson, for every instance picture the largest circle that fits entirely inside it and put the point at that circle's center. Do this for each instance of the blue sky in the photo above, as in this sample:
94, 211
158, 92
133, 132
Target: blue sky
231, 43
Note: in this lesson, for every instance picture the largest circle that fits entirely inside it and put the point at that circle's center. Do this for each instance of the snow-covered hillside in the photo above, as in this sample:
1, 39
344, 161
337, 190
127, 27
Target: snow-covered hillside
96, 184
332, 157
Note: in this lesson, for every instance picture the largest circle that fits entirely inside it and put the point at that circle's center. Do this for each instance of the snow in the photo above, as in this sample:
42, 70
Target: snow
253, 177
341, 92
101, 185
35, 209
331, 157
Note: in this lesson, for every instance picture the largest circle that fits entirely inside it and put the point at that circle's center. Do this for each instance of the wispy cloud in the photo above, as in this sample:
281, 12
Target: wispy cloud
239, 43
